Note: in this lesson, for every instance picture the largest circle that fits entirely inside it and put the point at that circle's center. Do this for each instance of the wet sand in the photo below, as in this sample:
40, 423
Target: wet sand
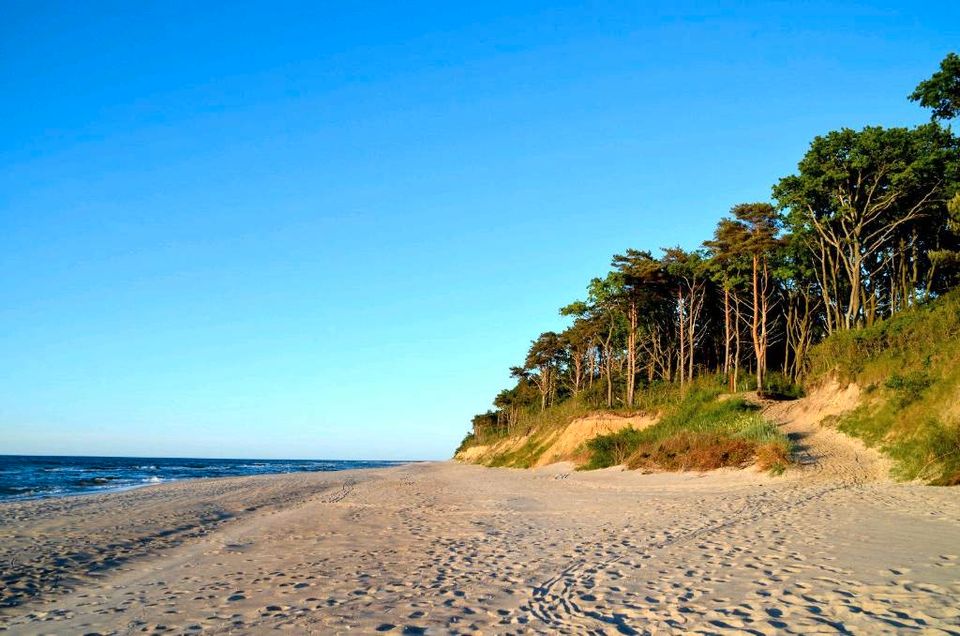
449, 548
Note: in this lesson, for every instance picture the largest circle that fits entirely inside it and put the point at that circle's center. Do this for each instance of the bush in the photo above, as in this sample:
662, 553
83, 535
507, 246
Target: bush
911, 339
775, 456
693, 451
469, 440
931, 452
778, 386
909, 387
613, 449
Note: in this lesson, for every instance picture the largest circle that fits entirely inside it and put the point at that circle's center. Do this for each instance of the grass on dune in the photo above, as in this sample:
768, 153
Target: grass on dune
700, 431
909, 369
540, 425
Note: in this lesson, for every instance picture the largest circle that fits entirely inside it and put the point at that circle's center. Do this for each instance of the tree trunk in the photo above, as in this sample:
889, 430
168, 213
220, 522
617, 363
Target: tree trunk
726, 331
764, 336
683, 341
736, 348
755, 322
631, 352
608, 365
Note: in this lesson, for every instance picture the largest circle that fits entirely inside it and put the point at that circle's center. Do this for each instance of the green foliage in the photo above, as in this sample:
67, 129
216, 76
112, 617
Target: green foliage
486, 426
927, 448
660, 396
867, 242
946, 256
468, 440
941, 93
916, 339
539, 426
778, 386
613, 449
700, 431
909, 387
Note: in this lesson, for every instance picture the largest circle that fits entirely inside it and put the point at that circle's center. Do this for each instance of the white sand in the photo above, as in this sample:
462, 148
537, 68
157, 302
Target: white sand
450, 548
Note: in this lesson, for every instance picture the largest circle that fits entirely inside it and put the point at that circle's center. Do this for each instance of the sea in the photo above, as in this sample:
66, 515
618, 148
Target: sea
37, 477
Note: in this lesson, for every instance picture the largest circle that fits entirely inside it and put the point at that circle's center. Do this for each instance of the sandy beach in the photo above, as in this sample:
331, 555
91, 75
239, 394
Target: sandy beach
450, 548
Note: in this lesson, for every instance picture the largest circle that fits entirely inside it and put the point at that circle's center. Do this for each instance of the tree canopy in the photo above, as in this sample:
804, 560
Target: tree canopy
867, 226
941, 93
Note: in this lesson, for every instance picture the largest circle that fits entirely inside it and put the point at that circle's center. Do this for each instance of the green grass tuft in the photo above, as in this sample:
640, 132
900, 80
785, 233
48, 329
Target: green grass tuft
700, 432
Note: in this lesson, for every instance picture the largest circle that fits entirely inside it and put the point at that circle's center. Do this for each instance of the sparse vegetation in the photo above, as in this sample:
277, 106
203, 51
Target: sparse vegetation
468, 441
909, 367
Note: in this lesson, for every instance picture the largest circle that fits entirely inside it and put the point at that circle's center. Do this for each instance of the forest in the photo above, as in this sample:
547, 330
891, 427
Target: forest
867, 227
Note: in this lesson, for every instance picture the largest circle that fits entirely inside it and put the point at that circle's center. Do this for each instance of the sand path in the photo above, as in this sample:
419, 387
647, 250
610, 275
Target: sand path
824, 452
448, 548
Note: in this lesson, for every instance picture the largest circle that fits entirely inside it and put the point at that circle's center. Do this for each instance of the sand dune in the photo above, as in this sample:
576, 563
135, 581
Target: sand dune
561, 444
583, 429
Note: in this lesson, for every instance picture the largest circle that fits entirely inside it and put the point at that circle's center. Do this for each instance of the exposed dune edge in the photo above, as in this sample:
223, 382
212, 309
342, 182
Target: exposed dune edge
808, 420
828, 400
562, 444
583, 429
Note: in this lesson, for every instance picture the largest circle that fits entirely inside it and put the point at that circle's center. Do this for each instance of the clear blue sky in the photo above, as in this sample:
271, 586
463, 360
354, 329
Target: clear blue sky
327, 229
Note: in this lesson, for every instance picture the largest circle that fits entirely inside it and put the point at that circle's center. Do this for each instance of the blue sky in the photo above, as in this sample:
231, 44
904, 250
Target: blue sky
327, 229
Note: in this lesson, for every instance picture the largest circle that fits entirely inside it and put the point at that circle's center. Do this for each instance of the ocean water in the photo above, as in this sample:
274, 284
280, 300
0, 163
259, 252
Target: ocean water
30, 477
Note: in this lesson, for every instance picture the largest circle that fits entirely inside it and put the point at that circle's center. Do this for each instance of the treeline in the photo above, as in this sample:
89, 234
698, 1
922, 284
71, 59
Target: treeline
868, 226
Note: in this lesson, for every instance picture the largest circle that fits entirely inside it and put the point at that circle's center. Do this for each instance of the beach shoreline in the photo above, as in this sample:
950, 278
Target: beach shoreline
452, 548
33, 477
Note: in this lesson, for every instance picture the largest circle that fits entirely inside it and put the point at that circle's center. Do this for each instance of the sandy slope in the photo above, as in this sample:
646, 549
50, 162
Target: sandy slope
824, 451
559, 444
453, 548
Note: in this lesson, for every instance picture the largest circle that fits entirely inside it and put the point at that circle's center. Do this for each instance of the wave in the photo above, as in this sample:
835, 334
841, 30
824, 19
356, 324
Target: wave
95, 481
43, 477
